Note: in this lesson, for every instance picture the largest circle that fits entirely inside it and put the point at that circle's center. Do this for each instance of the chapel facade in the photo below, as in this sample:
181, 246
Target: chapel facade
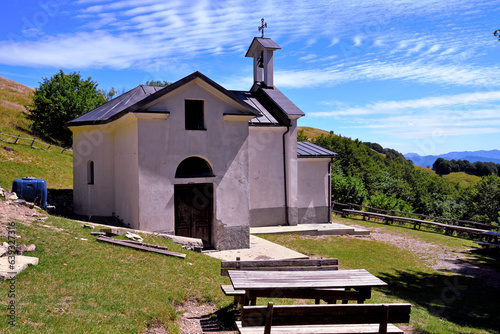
196, 160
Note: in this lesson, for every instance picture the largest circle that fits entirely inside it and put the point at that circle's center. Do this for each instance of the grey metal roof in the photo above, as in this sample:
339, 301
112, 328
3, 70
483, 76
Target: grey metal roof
266, 118
113, 108
309, 150
265, 42
283, 103
141, 96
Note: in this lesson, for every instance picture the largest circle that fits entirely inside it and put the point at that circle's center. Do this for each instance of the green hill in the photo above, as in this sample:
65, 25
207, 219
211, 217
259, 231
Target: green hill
462, 179
20, 159
368, 174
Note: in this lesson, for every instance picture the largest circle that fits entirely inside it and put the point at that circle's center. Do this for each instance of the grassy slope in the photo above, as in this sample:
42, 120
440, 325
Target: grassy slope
52, 166
462, 179
312, 133
84, 286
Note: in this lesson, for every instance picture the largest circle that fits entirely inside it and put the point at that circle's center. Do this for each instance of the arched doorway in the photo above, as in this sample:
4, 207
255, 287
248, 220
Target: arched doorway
194, 202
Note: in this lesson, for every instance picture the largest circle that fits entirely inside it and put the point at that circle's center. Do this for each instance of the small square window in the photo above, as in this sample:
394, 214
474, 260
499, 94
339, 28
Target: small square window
195, 118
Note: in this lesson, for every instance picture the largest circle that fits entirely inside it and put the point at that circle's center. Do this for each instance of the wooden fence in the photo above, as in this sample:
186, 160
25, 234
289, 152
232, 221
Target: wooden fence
31, 142
391, 215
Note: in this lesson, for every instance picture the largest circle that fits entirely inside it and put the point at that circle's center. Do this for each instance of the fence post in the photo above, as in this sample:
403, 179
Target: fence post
49, 147
17, 139
33, 142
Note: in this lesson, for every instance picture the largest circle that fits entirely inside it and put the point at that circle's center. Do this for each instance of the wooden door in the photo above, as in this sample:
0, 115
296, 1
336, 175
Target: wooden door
193, 211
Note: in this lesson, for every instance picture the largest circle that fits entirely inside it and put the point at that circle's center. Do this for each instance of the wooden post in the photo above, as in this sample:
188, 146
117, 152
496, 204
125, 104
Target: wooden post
269, 318
385, 320
49, 147
17, 139
32, 142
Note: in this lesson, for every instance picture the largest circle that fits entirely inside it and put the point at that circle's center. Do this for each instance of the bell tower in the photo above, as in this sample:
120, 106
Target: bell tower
261, 50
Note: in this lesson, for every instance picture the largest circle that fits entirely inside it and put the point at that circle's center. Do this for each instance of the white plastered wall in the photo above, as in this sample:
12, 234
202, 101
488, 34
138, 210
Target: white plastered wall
163, 145
267, 192
93, 144
126, 190
313, 190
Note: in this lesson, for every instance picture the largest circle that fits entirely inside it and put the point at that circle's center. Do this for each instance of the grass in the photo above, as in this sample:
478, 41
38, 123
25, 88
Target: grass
443, 302
462, 179
84, 286
312, 133
54, 167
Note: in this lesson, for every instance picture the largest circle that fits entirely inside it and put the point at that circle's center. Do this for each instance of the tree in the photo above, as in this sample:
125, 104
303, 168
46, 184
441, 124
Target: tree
109, 94
484, 200
59, 100
159, 83
497, 34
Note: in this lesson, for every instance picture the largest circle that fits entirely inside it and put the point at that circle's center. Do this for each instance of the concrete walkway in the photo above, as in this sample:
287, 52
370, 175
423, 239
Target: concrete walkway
311, 229
261, 249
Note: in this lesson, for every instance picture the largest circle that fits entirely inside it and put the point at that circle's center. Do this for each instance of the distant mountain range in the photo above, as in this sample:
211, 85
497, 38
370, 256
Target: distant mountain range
471, 156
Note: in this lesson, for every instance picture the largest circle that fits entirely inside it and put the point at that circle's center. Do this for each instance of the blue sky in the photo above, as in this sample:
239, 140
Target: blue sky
417, 76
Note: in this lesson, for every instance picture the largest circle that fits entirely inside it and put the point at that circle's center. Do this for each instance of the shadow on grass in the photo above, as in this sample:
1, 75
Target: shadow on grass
463, 300
220, 320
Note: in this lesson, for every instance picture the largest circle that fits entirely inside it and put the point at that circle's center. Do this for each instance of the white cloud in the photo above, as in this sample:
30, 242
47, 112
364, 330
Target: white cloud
358, 40
434, 73
460, 104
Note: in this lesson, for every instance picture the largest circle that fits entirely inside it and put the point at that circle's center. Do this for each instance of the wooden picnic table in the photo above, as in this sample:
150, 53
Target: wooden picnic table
327, 285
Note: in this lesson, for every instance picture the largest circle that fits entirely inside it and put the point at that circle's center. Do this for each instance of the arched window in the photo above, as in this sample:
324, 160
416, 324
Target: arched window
90, 172
194, 167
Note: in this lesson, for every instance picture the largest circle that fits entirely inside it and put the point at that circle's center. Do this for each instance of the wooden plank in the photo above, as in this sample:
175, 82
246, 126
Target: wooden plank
145, 244
224, 271
487, 244
320, 329
139, 247
230, 291
248, 279
305, 315
280, 263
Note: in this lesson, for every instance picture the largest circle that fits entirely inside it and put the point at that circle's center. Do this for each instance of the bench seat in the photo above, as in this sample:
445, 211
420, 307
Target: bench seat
487, 244
323, 319
239, 295
320, 329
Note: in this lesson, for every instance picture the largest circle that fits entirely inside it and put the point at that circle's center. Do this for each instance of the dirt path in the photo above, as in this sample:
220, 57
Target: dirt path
442, 258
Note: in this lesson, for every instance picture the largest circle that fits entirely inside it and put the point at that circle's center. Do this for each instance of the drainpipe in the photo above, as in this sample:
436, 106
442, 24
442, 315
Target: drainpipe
284, 175
330, 191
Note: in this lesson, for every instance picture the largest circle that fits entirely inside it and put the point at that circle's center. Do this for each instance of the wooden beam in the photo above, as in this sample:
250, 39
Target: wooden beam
140, 247
145, 244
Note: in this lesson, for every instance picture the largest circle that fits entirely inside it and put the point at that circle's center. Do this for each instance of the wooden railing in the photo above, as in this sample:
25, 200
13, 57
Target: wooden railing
31, 142
402, 214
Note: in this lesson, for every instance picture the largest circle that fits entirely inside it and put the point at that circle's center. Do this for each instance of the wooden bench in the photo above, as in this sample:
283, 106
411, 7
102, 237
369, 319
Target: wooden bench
274, 265
487, 244
304, 319
489, 239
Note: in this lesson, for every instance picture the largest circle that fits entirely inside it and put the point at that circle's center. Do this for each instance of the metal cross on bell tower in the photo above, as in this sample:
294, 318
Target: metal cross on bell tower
262, 26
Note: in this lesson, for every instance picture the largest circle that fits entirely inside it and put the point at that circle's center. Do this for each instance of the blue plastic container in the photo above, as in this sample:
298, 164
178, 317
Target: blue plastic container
32, 190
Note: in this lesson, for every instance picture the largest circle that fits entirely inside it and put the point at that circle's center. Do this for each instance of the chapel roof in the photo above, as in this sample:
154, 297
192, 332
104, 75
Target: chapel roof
139, 97
309, 150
